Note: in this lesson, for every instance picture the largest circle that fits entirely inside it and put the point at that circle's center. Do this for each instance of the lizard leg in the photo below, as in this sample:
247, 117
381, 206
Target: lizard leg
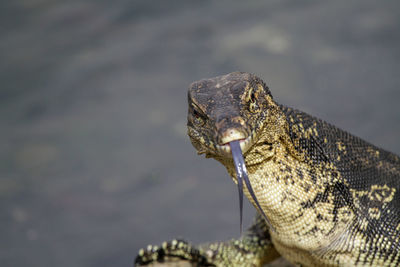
253, 249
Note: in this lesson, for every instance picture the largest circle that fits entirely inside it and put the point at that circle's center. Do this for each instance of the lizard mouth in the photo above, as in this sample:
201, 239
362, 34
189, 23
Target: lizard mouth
245, 144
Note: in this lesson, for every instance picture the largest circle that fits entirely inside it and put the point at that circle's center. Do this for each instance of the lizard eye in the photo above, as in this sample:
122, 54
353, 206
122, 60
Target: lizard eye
197, 118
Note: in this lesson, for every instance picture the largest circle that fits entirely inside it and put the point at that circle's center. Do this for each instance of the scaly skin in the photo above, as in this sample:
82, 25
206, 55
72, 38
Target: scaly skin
331, 199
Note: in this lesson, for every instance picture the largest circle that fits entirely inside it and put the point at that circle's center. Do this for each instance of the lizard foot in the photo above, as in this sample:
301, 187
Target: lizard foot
173, 253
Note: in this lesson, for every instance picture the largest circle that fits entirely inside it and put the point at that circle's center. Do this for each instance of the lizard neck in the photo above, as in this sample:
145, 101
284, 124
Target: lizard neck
298, 196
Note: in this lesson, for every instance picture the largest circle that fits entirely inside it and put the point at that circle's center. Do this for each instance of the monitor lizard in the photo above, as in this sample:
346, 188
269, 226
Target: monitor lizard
328, 198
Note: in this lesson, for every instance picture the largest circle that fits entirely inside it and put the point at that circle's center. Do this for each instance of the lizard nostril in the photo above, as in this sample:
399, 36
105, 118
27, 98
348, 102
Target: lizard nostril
238, 120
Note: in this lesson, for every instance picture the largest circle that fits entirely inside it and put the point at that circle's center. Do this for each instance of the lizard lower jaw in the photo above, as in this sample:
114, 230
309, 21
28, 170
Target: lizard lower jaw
225, 149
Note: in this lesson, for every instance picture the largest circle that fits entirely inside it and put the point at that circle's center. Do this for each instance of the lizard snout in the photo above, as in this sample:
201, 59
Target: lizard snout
231, 134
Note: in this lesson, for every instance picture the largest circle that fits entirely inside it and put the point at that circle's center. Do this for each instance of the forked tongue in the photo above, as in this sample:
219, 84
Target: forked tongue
241, 174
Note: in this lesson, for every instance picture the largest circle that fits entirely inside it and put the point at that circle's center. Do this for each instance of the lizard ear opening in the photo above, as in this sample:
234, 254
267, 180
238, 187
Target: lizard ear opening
252, 98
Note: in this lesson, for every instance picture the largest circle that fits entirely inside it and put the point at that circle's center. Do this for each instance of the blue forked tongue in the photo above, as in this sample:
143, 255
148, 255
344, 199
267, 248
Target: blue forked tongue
241, 174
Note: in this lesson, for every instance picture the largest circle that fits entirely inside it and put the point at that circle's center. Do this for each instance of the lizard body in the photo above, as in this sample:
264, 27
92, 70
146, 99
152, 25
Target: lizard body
330, 198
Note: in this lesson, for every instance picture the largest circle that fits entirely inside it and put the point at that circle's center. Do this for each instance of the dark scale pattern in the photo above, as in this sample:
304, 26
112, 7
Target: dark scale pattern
370, 180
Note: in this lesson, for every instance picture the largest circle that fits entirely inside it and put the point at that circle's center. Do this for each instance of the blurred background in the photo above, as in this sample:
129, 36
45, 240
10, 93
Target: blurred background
94, 158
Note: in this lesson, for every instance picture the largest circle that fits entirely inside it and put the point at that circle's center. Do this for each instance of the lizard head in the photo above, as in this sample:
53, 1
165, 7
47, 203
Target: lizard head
224, 109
